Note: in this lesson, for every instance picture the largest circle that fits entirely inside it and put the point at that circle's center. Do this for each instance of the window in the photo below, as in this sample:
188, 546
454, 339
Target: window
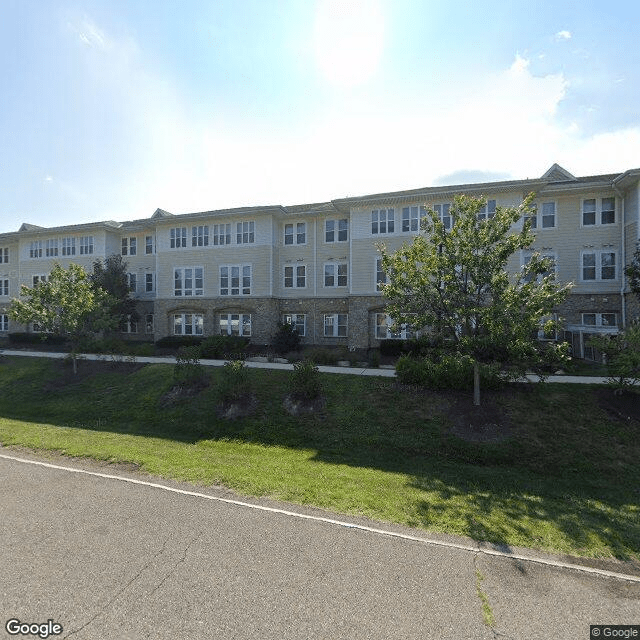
527, 258
381, 276
188, 281
4, 287
200, 236
488, 211
35, 249
129, 326
245, 232
148, 245
384, 324
39, 278
382, 221
188, 324
129, 246
51, 248
68, 246
600, 319
444, 213
295, 276
149, 282
547, 217
297, 320
132, 282
598, 212
4, 322
335, 325
235, 280
300, 235
341, 227
235, 324
335, 275
178, 237
599, 265
86, 245
412, 218
148, 323
4, 254
221, 234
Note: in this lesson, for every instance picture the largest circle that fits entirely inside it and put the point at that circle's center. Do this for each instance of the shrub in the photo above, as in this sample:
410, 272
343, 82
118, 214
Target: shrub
286, 339
374, 358
235, 383
224, 347
322, 356
172, 342
393, 347
36, 338
188, 371
622, 352
306, 380
142, 349
452, 371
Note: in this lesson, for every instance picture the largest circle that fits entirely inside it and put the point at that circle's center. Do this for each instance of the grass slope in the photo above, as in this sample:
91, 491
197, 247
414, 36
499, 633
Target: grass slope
567, 479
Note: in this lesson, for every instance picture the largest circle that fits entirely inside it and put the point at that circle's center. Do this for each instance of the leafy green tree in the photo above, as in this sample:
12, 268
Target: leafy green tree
66, 304
622, 351
454, 281
633, 272
110, 275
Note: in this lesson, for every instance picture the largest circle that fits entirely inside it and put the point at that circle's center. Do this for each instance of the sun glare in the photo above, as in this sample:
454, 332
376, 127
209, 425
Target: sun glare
348, 40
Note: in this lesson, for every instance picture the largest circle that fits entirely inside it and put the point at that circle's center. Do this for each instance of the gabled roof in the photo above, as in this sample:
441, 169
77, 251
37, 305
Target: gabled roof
25, 226
161, 213
556, 173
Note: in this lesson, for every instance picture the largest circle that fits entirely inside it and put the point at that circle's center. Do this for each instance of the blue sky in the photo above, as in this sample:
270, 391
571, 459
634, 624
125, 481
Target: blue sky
113, 108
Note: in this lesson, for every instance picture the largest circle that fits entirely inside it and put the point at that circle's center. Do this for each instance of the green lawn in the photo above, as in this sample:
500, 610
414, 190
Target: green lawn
567, 480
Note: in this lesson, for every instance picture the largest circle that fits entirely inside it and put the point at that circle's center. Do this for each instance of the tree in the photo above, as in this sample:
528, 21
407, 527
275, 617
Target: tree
454, 281
110, 275
66, 304
633, 272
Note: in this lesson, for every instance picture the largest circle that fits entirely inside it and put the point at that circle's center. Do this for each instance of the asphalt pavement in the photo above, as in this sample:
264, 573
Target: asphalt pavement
107, 552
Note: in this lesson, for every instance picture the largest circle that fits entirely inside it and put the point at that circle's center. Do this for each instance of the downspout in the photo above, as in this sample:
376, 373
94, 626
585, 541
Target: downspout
623, 261
315, 276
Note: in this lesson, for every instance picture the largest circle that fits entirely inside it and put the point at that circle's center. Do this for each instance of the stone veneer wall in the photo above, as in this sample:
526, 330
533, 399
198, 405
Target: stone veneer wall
576, 303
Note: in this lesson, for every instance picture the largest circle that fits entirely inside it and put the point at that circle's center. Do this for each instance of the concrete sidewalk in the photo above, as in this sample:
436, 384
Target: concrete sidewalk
354, 371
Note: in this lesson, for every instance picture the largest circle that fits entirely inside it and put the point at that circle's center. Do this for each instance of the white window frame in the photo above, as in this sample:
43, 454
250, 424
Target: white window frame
149, 323
4, 322
51, 248
598, 253
525, 257
129, 326
149, 282
35, 249
383, 221
246, 232
598, 318
4, 287
295, 277
598, 212
385, 320
226, 273
538, 216
332, 270
295, 233
412, 218
298, 321
443, 211
222, 234
200, 235
4, 255
182, 276
149, 245
38, 277
132, 282
191, 324
488, 211
178, 237
69, 246
241, 322
129, 246
333, 322
378, 271
86, 245
336, 230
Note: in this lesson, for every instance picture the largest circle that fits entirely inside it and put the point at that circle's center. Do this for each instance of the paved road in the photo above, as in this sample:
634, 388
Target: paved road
108, 559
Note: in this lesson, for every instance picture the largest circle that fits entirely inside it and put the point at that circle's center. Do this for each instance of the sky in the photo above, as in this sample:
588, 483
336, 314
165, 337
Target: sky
110, 109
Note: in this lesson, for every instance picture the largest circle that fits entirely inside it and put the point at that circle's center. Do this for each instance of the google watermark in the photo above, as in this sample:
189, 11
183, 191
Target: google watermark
43, 630
614, 631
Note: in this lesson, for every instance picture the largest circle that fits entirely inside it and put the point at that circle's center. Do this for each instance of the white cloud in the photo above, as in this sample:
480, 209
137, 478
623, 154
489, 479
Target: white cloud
88, 32
563, 35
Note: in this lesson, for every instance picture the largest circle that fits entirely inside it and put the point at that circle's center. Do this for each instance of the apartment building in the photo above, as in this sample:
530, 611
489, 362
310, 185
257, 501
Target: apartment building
244, 270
